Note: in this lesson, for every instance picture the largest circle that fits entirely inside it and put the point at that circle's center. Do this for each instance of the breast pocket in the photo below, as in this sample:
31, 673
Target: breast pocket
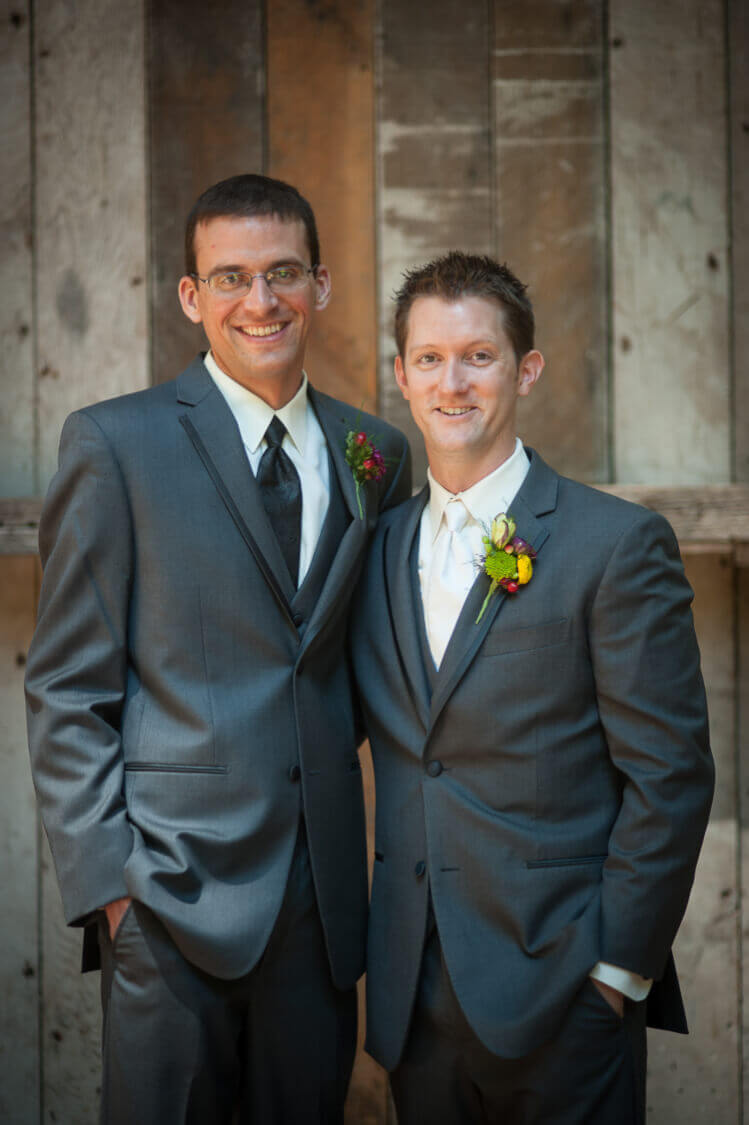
502, 641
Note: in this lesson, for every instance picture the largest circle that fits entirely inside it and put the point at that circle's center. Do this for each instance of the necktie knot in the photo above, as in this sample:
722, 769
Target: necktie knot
276, 432
456, 515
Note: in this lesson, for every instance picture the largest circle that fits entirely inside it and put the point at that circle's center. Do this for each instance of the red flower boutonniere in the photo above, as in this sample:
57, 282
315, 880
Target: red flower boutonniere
508, 560
365, 461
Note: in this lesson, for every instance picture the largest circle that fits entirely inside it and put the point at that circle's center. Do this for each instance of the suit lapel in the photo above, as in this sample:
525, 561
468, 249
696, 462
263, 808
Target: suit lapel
330, 415
210, 425
402, 599
536, 497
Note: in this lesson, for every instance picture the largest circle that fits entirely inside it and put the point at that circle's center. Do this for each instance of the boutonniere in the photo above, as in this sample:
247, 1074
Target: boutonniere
365, 461
508, 560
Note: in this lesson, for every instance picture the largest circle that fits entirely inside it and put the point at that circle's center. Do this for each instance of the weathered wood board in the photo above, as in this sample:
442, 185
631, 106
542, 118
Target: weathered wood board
19, 933
90, 230
206, 116
320, 138
694, 1079
742, 792
17, 430
434, 156
738, 61
550, 215
672, 394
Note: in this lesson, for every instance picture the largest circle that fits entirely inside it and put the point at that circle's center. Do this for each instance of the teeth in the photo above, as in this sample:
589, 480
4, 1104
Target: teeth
455, 410
264, 330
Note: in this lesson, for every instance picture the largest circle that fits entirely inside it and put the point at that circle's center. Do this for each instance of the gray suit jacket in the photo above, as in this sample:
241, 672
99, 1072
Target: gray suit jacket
185, 703
554, 787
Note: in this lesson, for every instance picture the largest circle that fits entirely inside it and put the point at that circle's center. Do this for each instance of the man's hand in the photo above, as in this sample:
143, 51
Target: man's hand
115, 910
612, 996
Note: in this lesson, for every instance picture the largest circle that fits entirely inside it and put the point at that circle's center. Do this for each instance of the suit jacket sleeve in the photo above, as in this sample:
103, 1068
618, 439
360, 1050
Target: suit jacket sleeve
652, 706
77, 669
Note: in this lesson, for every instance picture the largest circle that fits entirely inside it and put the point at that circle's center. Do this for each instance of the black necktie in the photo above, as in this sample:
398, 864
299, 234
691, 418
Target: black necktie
281, 491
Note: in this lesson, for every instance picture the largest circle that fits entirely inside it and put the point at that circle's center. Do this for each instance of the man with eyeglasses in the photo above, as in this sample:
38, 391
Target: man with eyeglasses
191, 722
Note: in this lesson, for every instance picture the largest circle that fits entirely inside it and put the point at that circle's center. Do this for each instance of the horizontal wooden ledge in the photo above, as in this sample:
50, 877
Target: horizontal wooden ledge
710, 518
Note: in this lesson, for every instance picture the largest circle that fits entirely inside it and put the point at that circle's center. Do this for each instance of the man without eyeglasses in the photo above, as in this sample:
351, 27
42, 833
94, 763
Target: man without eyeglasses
190, 715
530, 679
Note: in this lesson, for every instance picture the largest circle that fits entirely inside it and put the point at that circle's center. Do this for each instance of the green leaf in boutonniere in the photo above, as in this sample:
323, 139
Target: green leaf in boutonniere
365, 461
508, 560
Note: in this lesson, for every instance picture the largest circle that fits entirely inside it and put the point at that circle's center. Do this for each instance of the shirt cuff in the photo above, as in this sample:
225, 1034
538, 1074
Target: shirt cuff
631, 984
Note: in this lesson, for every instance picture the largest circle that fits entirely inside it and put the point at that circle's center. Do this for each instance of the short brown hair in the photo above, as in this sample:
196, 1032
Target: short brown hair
245, 197
457, 275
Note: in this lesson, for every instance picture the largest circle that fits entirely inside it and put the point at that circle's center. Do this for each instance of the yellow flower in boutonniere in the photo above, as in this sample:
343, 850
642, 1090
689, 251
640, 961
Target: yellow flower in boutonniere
508, 560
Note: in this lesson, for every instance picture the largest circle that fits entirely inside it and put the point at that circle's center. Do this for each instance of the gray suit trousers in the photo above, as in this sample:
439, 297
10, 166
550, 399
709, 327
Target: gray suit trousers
274, 1047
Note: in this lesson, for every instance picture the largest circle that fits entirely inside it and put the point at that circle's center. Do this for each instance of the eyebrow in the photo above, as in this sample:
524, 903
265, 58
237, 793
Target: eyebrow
230, 268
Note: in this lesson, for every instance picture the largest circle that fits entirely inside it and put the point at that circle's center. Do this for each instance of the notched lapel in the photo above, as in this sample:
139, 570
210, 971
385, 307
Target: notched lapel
210, 425
352, 545
402, 602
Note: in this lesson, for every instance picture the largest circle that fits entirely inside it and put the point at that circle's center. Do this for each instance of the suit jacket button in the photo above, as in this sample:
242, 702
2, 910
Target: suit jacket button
419, 869
297, 619
434, 769
294, 773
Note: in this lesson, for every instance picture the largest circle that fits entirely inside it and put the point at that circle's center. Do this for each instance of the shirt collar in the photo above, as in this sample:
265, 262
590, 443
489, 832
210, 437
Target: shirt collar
488, 497
253, 415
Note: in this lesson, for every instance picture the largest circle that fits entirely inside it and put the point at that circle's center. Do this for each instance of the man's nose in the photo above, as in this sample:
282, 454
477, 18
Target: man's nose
260, 296
453, 376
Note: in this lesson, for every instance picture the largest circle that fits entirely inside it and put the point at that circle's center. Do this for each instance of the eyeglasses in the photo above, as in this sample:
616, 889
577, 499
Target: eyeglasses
234, 283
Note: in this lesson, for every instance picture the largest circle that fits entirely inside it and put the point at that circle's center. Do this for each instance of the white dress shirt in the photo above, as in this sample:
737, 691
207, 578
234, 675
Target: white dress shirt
482, 502
304, 442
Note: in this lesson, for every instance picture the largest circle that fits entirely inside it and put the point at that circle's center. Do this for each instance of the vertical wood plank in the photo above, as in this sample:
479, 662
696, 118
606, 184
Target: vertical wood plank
16, 359
433, 154
738, 46
320, 138
742, 780
206, 110
90, 208
19, 947
91, 241
670, 261
695, 1079
550, 215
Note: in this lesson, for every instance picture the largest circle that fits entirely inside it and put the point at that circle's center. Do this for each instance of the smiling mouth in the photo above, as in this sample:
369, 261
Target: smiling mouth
454, 411
261, 330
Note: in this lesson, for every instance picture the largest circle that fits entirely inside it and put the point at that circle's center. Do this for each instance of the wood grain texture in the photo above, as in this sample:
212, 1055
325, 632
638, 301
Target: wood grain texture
694, 1079
741, 634
206, 108
90, 230
16, 282
707, 513
320, 138
670, 261
433, 154
738, 46
549, 200
19, 946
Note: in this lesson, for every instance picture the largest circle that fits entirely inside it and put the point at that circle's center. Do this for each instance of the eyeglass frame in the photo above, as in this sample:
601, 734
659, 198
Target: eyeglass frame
252, 277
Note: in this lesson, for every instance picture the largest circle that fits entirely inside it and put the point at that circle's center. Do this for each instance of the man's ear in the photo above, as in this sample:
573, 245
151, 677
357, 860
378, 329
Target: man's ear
400, 376
323, 287
188, 298
529, 372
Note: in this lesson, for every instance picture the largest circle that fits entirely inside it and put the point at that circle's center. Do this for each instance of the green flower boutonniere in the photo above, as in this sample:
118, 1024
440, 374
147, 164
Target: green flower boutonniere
508, 560
365, 461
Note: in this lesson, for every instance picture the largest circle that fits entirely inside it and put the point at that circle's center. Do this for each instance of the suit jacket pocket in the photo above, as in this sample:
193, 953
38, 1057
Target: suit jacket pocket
568, 861
500, 641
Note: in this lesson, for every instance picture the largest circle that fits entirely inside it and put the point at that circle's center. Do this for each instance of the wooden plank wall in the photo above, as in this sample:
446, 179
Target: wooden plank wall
599, 146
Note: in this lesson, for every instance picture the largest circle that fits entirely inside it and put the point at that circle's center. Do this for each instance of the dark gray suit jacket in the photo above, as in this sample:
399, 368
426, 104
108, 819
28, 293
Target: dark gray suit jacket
184, 701
554, 787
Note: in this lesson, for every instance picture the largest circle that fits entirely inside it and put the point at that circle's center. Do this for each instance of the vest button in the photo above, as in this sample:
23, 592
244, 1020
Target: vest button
294, 772
434, 769
297, 619
419, 869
